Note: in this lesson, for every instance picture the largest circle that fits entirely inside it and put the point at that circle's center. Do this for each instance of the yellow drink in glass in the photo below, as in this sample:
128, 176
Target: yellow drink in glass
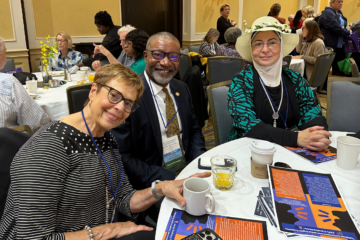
223, 171
91, 78
224, 180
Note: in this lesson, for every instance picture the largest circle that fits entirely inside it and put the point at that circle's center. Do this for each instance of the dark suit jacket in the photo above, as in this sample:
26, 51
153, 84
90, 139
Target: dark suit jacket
140, 142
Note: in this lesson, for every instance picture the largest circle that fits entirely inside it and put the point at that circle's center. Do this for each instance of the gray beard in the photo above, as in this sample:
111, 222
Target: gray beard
160, 79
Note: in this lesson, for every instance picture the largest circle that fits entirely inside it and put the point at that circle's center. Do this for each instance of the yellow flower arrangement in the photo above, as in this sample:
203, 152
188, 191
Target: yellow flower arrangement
47, 51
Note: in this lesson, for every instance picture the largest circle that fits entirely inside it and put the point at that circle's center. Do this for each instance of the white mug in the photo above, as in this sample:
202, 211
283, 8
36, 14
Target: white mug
32, 86
80, 75
199, 200
348, 149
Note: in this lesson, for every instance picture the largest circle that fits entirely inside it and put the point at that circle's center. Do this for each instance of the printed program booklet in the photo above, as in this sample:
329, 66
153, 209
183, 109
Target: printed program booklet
182, 224
309, 203
315, 157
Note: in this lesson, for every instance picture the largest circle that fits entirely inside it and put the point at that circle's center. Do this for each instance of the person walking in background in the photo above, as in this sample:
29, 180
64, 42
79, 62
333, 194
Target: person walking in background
275, 11
223, 22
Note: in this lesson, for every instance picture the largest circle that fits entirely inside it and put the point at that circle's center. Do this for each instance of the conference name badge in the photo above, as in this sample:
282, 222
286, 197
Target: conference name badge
173, 157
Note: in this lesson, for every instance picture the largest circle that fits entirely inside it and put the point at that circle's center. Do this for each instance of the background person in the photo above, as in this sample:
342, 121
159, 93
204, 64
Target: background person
308, 12
312, 47
297, 23
16, 106
291, 18
275, 11
209, 45
66, 58
283, 99
223, 22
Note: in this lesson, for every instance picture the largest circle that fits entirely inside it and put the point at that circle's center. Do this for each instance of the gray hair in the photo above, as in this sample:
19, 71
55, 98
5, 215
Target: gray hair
165, 35
232, 34
2, 46
126, 28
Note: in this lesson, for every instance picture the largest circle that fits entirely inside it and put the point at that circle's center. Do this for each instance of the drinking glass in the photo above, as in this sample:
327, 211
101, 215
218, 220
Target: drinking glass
223, 170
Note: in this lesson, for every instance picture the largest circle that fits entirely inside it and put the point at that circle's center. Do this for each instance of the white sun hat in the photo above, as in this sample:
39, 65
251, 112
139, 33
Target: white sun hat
262, 24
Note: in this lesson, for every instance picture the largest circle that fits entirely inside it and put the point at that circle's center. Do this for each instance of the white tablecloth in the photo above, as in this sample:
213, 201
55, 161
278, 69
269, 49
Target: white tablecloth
298, 65
54, 100
241, 202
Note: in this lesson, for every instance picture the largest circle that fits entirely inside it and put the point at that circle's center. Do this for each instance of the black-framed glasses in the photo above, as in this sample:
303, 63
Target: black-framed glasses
159, 55
272, 45
114, 97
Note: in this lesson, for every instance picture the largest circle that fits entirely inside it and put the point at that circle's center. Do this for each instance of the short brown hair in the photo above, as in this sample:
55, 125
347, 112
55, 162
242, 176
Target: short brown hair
121, 74
313, 31
223, 6
275, 9
66, 36
211, 35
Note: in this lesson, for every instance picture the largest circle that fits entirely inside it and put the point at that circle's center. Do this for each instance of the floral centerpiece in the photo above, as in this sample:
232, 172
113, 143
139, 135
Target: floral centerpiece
47, 53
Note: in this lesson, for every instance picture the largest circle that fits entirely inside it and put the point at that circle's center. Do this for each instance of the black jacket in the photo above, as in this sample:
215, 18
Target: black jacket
331, 28
222, 25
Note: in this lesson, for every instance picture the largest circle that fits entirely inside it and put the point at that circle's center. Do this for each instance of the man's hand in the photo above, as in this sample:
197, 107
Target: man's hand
100, 49
96, 65
314, 138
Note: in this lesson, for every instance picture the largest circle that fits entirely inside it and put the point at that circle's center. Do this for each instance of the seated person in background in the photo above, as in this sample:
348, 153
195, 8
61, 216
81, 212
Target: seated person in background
291, 18
111, 40
266, 101
66, 57
16, 106
308, 12
275, 11
209, 45
165, 113
231, 35
312, 47
123, 59
134, 46
355, 27
70, 175
297, 22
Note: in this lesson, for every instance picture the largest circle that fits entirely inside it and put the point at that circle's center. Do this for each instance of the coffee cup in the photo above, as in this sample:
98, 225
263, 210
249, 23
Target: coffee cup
199, 200
80, 75
262, 154
32, 86
86, 69
348, 149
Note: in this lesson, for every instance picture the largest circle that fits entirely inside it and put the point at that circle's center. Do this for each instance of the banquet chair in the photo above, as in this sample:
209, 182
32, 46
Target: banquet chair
354, 68
9, 65
217, 95
328, 49
23, 128
220, 70
184, 64
343, 109
77, 96
321, 70
194, 48
287, 59
11, 141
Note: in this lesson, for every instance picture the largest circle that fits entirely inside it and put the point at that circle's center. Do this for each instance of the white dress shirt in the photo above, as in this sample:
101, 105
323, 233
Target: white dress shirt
160, 97
17, 107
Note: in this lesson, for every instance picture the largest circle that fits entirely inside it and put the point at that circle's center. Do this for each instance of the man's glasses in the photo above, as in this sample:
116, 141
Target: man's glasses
114, 96
127, 43
272, 45
159, 55
61, 41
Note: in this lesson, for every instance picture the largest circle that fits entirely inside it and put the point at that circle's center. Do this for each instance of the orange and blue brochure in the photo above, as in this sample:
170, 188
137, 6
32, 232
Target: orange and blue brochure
309, 203
315, 157
182, 224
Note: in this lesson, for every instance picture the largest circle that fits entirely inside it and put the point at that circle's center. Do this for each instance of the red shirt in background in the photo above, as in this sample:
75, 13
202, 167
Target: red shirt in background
298, 26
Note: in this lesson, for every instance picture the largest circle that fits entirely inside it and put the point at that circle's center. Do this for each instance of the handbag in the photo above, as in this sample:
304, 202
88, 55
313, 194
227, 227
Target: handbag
21, 76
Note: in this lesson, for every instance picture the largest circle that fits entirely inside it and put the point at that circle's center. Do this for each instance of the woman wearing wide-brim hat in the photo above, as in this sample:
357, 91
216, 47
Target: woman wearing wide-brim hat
267, 101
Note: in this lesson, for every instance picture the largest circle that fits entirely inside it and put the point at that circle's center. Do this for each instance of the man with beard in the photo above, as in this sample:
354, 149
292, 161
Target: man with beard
165, 120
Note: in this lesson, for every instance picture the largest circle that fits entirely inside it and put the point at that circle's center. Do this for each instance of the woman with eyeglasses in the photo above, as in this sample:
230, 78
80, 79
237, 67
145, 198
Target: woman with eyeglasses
135, 45
312, 47
66, 58
266, 101
68, 179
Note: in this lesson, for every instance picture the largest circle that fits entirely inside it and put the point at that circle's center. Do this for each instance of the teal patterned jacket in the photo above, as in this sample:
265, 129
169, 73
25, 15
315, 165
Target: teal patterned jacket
242, 109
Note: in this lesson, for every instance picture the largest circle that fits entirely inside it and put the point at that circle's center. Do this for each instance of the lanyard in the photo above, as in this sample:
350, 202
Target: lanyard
107, 137
287, 101
177, 107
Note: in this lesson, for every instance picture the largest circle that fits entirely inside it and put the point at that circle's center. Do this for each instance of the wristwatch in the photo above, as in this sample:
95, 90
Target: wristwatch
153, 189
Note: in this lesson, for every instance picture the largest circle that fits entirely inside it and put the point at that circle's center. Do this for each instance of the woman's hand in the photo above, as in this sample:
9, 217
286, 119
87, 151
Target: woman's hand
174, 189
314, 138
233, 23
100, 49
117, 230
96, 65
297, 57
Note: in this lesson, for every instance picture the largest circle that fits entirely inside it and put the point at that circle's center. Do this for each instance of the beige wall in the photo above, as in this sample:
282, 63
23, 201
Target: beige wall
74, 17
323, 4
6, 26
351, 11
208, 11
252, 11
310, 2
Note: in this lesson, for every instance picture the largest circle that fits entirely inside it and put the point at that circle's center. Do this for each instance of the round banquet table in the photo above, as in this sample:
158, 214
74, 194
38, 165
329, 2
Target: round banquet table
240, 202
298, 65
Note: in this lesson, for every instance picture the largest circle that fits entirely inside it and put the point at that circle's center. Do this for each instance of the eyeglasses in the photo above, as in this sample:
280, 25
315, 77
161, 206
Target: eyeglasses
127, 43
159, 55
272, 45
62, 41
114, 96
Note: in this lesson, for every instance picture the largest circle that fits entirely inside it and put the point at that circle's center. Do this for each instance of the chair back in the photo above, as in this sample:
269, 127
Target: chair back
194, 48
23, 128
220, 70
11, 141
77, 96
321, 69
9, 65
343, 108
217, 94
354, 68
185, 50
184, 64
287, 59
328, 49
